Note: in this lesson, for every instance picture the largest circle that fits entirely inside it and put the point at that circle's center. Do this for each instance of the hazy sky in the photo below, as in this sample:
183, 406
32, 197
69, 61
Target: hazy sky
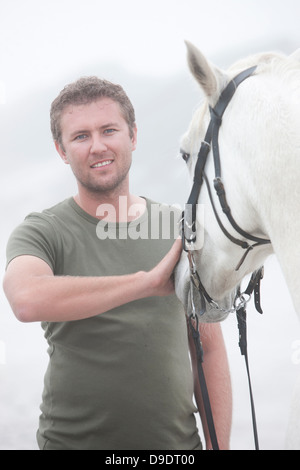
41, 39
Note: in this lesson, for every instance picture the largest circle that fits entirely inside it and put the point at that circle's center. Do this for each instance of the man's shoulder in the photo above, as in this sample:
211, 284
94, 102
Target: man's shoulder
164, 207
48, 215
37, 235
58, 209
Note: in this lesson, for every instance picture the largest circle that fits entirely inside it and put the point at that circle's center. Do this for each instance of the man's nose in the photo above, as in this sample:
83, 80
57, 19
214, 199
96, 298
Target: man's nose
98, 144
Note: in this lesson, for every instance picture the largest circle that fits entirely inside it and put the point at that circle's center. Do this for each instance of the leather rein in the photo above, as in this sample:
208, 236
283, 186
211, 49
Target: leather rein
189, 235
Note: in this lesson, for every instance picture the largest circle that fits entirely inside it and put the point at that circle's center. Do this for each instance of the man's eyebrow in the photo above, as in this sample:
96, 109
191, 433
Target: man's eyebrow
110, 124
78, 132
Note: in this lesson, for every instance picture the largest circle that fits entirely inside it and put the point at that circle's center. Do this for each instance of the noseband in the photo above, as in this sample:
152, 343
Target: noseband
211, 141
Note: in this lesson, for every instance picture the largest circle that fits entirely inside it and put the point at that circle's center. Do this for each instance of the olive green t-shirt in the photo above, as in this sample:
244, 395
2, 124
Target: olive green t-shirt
120, 380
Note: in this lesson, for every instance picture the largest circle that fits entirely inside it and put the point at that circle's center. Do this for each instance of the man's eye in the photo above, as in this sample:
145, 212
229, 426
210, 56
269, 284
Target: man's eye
185, 155
81, 137
109, 131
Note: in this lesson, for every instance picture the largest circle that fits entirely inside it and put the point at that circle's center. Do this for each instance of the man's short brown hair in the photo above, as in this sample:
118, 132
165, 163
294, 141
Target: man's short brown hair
86, 90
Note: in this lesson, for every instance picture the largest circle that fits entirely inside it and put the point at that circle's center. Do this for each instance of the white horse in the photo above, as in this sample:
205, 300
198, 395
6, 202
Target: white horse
259, 144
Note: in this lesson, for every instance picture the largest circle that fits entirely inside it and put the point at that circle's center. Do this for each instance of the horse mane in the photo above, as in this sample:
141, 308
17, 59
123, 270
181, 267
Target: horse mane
286, 68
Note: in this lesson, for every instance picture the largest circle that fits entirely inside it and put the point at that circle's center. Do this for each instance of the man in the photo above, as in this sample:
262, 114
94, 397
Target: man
119, 375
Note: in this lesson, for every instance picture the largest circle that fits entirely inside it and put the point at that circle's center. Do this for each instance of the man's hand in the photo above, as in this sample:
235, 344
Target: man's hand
161, 277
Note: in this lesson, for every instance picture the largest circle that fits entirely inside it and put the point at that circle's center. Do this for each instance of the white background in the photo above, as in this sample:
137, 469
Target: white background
46, 44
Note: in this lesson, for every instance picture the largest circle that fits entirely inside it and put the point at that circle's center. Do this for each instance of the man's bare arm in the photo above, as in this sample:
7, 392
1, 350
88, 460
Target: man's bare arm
35, 294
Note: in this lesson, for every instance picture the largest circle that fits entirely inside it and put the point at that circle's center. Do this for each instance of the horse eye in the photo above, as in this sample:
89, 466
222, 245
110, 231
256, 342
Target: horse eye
185, 156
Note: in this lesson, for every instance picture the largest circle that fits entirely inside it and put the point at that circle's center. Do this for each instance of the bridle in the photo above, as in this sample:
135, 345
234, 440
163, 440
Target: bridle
211, 141
189, 235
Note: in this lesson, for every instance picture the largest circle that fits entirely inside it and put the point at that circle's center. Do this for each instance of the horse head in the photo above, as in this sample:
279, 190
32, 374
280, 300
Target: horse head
259, 146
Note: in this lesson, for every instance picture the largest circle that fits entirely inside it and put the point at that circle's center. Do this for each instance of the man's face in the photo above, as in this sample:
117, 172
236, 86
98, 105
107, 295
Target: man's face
97, 145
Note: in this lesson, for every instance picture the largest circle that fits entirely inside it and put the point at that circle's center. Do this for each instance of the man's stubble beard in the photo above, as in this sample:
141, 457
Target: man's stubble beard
99, 189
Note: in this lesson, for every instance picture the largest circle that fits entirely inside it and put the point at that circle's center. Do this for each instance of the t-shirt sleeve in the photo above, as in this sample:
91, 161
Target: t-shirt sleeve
36, 236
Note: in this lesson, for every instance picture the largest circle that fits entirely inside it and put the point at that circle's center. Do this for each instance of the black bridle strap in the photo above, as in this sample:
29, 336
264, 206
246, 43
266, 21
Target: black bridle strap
241, 315
242, 243
202, 382
219, 187
216, 118
197, 184
217, 112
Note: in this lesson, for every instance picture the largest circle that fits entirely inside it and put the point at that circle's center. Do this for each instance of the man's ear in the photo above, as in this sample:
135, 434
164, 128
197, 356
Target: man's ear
134, 138
61, 152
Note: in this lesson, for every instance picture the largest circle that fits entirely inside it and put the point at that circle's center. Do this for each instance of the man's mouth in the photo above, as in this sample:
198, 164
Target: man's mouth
100, 164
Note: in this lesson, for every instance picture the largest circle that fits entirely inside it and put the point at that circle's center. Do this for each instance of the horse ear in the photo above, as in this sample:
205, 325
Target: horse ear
296, 55
210, 78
